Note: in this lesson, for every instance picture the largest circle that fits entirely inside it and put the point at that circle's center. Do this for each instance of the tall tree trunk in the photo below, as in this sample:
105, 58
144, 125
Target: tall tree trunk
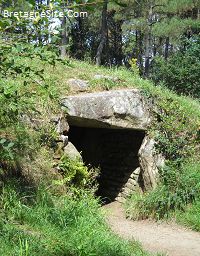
166, 48
48, 35
154, 47
103, 34
80, 39
148, 42
147, 52
139, 51
63, 51
160, 46
118, 40
64, 36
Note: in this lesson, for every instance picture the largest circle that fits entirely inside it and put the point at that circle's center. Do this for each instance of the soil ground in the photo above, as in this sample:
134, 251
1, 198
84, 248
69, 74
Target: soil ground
170, 239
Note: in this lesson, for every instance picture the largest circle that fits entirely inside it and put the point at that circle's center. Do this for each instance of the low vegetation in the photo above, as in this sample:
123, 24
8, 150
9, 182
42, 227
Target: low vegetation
37, 223
190, 217
41, 222
176, 130
178, 188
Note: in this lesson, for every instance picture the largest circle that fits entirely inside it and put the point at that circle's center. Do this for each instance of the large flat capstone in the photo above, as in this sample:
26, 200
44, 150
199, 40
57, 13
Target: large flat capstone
109, 109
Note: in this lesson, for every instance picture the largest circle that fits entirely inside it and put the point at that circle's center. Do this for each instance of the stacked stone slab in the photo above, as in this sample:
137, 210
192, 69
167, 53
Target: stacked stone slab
130, 186
109, 109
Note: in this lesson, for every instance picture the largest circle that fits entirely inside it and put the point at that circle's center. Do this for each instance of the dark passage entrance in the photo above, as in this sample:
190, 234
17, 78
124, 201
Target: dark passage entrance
115, 151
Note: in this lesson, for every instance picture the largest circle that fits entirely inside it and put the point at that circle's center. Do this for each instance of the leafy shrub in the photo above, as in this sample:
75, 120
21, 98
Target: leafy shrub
177, 132
23, 90
176, 190
77, 174
74, 170
134, 67
175, 124
181, 71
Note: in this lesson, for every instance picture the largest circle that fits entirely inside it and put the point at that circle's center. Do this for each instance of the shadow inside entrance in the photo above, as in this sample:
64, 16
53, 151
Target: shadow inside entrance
114, 151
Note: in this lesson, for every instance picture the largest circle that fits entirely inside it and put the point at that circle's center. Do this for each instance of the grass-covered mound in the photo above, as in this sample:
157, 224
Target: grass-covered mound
176, 129
37, 221
32, 81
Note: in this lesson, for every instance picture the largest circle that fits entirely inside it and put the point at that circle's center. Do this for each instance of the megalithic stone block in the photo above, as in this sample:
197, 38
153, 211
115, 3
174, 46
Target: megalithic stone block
108, 109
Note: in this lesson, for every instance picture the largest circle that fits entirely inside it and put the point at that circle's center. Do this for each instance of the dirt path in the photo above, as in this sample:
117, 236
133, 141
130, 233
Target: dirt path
164, 238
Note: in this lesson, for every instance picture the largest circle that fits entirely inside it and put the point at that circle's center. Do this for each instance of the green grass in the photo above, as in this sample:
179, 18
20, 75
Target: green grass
176, 196
190, 217
36, 223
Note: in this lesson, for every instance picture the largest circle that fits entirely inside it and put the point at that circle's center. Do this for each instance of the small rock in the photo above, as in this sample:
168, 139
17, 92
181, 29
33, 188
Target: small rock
98, 77
126, 190
54, 119
64, 138
120, 199
130, 186
77, 85
71, 151
132, 182
62, 126
59, 151
137, 171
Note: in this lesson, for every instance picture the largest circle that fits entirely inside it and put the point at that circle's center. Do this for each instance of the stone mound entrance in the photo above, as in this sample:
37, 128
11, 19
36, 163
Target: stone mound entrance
115, 152
109, 129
